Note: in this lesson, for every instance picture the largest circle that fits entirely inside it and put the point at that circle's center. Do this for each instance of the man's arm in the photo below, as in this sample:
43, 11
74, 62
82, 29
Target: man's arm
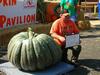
56, 36
55, 31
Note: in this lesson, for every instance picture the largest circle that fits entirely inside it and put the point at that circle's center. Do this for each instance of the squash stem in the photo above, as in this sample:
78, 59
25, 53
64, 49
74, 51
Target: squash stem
30, 33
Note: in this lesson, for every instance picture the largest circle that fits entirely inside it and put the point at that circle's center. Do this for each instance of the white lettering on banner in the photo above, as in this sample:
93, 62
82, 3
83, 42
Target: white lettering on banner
16, 20
6, 3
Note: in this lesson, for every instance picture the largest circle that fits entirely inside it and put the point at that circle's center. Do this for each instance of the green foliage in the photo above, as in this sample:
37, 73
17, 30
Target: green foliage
41, 10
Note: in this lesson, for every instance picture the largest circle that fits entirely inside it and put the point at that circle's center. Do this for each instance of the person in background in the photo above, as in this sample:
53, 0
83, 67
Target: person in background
59, 29
71, 7
99, 9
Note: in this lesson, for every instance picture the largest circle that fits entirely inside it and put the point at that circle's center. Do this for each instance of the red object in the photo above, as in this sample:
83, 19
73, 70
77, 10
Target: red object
50, 16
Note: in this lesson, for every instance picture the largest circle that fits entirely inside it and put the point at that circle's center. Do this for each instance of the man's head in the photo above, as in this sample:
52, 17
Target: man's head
65, 16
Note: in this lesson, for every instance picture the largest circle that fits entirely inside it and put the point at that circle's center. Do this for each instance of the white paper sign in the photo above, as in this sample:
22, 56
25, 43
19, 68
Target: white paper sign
17, 12
72, 40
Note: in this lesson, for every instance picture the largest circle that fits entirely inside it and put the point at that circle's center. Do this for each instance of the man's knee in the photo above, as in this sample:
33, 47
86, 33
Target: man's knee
77, 48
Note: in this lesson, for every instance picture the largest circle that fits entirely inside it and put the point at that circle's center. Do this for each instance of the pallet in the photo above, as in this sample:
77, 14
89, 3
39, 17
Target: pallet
58, 69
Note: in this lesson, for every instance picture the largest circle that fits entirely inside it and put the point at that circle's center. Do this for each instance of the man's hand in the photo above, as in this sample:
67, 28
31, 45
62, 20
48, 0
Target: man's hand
62, 39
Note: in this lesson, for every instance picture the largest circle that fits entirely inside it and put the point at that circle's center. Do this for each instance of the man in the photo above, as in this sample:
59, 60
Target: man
71, 7
59, 29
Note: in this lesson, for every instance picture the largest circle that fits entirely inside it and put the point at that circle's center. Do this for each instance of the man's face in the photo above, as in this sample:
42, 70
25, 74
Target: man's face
65, 18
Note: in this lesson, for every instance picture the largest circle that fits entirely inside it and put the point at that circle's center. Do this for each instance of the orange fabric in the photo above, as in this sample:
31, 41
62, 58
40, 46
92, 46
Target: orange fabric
62, 28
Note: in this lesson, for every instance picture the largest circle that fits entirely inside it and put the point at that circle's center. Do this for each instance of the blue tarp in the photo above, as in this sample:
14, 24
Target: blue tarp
57, 69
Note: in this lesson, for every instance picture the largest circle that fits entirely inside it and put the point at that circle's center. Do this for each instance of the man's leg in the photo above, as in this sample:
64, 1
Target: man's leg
75, 53
65, 57
64, 54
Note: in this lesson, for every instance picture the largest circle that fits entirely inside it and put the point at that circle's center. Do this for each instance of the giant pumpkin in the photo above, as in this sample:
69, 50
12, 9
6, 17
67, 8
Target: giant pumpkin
30, 51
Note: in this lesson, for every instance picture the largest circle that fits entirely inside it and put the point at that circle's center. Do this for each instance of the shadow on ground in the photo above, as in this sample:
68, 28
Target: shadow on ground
90, 36
91, 33
79, 71
97, 26
87, 65
3, 61
91, 63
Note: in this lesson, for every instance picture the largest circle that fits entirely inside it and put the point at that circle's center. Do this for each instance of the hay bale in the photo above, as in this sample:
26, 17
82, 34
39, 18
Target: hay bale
7, 34
84, 25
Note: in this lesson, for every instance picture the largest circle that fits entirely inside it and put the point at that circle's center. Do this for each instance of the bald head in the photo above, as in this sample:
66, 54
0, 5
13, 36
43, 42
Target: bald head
65, 16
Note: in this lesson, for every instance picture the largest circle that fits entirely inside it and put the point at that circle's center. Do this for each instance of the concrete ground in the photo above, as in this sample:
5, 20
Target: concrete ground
90, 54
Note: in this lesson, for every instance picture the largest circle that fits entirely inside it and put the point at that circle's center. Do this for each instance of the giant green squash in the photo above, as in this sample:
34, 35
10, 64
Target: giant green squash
30, 51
